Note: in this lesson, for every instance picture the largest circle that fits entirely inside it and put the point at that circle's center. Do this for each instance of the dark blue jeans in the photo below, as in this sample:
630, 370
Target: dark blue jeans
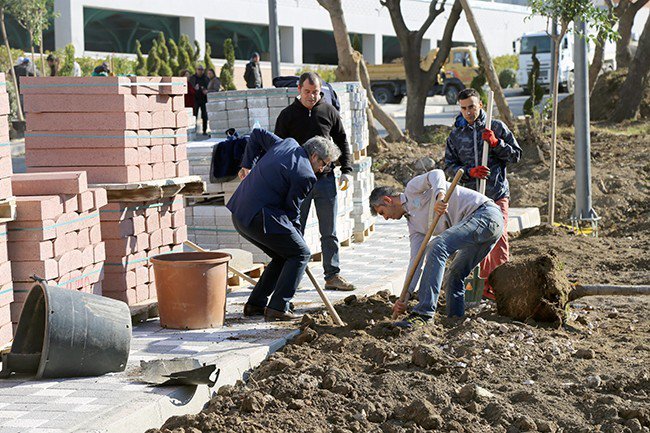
289, 257
323, 194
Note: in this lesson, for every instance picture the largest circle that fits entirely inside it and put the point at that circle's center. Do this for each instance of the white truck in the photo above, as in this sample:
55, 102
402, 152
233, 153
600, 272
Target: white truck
542, 41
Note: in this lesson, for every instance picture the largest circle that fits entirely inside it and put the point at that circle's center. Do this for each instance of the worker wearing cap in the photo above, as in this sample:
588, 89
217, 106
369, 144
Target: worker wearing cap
464, 150
470, 224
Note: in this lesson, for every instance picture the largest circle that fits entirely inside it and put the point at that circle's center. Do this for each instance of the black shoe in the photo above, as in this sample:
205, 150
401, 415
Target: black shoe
253, 310
271, 315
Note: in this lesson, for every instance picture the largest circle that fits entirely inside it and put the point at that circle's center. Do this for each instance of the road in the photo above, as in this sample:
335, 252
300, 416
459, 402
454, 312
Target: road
437, 112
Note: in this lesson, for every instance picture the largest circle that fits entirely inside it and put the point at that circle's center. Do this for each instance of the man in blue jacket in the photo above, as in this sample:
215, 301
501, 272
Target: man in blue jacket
465, 150
278, 174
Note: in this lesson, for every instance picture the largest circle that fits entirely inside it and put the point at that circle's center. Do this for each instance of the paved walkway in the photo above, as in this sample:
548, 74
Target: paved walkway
118, 403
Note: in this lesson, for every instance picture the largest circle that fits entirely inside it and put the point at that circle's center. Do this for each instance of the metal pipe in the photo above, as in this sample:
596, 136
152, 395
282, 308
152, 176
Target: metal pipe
274, 38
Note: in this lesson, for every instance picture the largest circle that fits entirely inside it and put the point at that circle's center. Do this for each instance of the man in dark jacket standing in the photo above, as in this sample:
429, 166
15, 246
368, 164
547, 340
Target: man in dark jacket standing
199, 81
266, 208
253, 73
307, 117
465, 150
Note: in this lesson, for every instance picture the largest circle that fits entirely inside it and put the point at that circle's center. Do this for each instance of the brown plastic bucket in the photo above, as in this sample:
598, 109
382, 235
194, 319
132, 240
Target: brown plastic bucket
191, 289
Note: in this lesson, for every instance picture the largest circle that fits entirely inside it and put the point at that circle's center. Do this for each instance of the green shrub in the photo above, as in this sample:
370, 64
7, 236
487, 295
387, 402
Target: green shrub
207, 59
327, 74
228, 69
507, 78
536, 91
509, 61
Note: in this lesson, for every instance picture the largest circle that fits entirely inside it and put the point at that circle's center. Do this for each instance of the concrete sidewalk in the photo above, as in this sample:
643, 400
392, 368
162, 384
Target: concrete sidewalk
118, 403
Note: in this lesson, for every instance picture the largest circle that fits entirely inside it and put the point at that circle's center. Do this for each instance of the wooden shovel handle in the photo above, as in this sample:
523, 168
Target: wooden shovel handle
488, 124
405, 290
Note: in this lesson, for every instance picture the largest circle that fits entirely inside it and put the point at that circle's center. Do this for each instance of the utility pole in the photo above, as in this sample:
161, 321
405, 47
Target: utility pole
274, 38
583, 210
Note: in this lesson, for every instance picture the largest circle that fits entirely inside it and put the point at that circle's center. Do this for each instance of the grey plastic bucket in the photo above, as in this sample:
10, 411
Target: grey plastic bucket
66, 333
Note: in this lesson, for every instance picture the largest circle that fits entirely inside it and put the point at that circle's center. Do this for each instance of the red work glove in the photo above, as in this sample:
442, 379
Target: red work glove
488, 135
480, 172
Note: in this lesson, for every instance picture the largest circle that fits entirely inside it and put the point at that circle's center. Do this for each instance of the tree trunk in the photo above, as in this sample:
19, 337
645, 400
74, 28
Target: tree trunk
638, 78
11, 64
351, 67
418, 87
394, 132
490, 72
623, 52
556, 79
597, 63
40, 49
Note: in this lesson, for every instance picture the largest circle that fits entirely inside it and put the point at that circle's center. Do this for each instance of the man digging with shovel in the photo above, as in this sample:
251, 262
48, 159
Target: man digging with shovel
463, 220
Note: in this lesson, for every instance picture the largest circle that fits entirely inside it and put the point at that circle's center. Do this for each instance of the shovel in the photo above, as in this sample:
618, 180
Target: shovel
321, 293
405, 290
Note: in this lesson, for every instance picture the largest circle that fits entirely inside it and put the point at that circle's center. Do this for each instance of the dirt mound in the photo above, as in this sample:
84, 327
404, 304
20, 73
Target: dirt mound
603, 99
484, 373
532, 289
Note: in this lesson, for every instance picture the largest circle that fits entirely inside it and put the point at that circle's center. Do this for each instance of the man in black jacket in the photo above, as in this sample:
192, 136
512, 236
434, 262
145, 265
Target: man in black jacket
308, 117
253, 73
200, 83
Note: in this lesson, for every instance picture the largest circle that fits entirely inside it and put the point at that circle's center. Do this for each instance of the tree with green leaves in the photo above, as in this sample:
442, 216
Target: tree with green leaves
228, 69
479, 80
196, 56
153, 61
163, 52
535, 89
5, 6
207, 59
173, 56
141, 65
67, 68
566, 12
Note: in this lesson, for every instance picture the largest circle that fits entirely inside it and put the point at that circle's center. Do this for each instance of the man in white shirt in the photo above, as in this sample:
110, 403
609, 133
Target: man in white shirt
470, 224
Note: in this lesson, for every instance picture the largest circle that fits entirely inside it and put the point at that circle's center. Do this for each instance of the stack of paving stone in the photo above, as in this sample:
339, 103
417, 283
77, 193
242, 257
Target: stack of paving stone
211, 227
241, 109
6, 200
121, 131
56, 235
364, 182
133, 233
354, 103
118, 130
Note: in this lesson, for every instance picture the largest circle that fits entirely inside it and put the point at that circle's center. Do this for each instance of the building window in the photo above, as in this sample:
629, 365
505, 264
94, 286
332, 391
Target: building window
392, 50
19, 37
117, 31
319, 46
247, 38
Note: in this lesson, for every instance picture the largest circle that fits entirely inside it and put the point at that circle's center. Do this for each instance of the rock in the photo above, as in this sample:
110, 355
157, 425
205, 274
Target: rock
342, 388
275, 365
544, 426
360, 416
525, 423
584, 354
306, 336
225, 390
296, 404
253, 402
331, 377
307, 321
378, 416
422, 413
425, 163
474, 392
375, 353
425, 356
634, 425
351, 300
593, 381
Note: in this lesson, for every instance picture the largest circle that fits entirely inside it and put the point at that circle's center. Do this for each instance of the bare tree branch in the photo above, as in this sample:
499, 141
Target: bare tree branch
445, 47
433, 14
394, 9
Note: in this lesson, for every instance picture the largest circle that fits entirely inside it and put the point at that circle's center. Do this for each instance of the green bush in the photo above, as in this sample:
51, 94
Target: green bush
536, 91
509, 61
327, 74
228, 69
207, 59
507, 78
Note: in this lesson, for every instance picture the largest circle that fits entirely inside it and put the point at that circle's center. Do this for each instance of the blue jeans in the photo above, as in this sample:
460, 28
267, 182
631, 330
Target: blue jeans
473, 239
289, 257
323, 195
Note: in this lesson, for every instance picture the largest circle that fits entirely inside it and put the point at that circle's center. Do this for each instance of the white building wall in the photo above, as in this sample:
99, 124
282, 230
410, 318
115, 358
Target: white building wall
500, 24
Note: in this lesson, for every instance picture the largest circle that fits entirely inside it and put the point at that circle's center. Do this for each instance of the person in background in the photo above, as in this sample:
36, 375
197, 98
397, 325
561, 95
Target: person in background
53, 64
102, 70
191, 93
215, 83
253, 73
200, 83
22, 69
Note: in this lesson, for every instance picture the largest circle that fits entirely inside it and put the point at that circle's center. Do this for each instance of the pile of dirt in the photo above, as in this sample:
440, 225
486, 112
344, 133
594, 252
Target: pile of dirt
603, 99
483, 373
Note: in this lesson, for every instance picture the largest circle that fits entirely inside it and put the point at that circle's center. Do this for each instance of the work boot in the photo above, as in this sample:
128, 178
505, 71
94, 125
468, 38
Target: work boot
413, 321
253, 310
337, 282
271, 315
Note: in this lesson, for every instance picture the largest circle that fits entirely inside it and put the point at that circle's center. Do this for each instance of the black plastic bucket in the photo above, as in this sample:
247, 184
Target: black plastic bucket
66, 333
